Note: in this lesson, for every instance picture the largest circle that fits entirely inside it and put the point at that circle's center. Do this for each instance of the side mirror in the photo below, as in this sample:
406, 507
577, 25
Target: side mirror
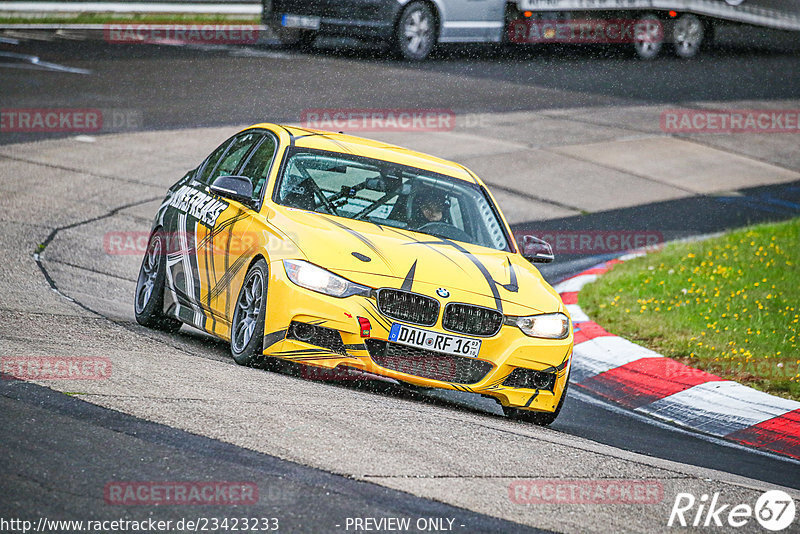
238, 188
536, 250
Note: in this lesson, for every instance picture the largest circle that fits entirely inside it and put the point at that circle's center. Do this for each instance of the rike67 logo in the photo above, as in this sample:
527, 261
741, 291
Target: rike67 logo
774, 511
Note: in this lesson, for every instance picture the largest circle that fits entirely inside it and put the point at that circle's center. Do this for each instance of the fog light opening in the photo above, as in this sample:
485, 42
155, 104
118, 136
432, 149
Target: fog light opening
303, 331
541, 380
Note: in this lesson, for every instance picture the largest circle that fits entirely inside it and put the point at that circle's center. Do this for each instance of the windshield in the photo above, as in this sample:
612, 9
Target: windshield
389, 194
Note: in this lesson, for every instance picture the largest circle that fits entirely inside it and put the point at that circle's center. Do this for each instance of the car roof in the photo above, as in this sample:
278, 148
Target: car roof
350, 144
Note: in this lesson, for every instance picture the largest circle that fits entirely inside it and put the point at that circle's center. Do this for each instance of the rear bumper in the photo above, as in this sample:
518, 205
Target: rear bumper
499, 356
365, 19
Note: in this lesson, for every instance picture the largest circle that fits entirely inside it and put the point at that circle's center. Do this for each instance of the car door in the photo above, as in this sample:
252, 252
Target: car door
226, 248
194, 214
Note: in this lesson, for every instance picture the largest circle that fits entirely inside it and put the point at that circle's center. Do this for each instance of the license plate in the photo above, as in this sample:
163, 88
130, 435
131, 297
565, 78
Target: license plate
425, 339
300, 21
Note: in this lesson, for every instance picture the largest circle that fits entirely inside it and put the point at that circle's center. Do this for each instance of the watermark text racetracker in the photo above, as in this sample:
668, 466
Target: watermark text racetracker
594, 241
68, 120
600, 31
134, 243
55, 368
239, 523
181, 33
181, 493
730, 121
379, 120
586, 491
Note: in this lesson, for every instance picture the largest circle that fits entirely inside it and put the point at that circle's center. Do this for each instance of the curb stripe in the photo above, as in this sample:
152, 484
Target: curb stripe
778, 434
589, 330
575, 283
719, 408
604, 353
569, 297
645, 381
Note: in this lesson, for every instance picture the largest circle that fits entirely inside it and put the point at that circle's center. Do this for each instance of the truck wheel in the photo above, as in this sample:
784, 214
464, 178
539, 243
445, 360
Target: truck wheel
688, 33
415, 34
649, 36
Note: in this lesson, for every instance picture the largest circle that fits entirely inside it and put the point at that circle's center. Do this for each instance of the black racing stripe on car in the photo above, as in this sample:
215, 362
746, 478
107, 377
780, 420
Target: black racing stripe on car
498, 381
512, 285
221, 227
206, 254
326, 356
227, 270
481, 267
195, 267
230, 272
301, 352
274, 337
361, 238
409, 279
416, 241
380, 320
535, 394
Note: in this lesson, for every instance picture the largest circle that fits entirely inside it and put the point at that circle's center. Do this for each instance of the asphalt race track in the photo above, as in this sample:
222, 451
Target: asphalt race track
568, 140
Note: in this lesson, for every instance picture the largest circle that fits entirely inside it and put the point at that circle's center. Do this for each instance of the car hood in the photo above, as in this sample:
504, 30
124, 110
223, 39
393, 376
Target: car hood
382, 256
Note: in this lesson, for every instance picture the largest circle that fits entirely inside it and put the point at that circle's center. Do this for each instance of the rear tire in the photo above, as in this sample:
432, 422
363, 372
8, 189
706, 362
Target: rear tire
247, 327
415, 34
148, 303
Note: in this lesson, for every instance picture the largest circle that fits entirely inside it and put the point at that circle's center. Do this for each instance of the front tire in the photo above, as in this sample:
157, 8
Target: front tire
149, 299
649, 37
247, 327
415, 34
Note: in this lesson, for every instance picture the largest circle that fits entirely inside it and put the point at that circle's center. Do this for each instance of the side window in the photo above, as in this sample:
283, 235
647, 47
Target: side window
236, 152
211, 162
257, 167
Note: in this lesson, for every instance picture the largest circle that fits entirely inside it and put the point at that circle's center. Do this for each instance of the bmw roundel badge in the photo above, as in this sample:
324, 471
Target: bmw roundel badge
442, 292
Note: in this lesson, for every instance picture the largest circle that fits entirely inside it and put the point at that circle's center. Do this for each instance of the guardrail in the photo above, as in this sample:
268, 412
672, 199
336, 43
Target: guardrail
215, 7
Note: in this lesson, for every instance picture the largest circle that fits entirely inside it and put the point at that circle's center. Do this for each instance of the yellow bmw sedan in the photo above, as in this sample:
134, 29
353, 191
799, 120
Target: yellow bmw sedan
350, 254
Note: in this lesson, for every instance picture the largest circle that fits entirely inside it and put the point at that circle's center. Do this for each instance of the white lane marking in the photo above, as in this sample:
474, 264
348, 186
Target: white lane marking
603, 353
28, 61
575, 284
719, 407
589, 399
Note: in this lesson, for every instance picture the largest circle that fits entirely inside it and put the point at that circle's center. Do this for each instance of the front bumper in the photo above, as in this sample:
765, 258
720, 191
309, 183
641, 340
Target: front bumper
499, 355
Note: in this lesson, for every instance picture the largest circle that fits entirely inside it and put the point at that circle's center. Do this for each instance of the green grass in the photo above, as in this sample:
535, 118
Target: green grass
728, 305
128, 18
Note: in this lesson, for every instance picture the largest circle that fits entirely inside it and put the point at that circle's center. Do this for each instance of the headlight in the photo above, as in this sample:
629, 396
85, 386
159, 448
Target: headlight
547, 325
315, 278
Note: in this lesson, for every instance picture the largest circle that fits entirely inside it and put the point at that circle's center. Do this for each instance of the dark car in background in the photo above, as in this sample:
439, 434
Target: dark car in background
411, 27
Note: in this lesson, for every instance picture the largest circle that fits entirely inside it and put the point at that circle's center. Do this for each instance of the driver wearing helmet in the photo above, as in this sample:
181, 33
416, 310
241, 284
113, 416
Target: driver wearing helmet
431, 207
